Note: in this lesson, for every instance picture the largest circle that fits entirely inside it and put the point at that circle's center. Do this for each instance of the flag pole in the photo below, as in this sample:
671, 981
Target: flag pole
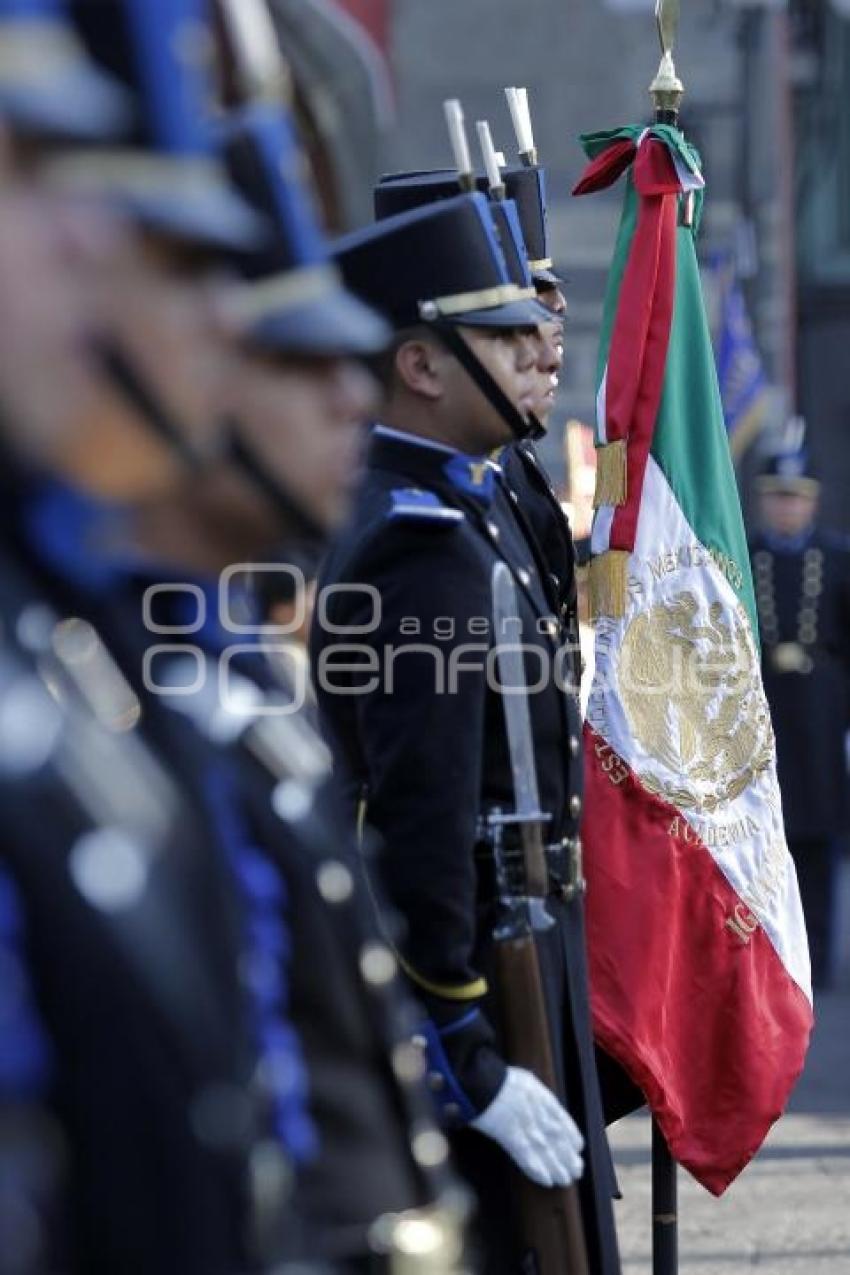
666, 91
665, 1218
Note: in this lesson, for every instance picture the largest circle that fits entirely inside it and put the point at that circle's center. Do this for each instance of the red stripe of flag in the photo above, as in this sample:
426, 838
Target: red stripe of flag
641, 334
699, 1011
604, 170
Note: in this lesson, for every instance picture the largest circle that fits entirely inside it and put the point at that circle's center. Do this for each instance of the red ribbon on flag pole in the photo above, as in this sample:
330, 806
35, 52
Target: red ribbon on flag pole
641, 332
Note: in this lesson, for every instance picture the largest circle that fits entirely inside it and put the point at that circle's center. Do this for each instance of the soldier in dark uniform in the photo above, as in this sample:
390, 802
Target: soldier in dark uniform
531, 490
526, 477
802, 581
404, 598
537, 509
350, 1149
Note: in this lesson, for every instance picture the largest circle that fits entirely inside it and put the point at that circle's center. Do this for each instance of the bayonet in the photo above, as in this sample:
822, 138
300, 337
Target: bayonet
527, 819
551, 1216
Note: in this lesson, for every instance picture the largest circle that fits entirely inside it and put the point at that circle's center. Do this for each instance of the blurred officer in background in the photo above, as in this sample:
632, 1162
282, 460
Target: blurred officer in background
178, 376
802, 581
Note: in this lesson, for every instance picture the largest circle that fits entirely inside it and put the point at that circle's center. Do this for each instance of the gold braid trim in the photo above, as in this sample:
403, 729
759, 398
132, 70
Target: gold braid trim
610, 474
461, 303
607, 580
252, 302
466, 992
775, 482
362, 811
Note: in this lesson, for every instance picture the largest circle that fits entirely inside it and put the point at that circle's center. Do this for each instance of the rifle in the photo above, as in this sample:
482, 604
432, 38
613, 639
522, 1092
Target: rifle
550, 1216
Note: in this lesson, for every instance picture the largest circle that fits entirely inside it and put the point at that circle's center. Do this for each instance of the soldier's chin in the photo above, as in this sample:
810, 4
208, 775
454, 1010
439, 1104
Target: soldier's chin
542, 410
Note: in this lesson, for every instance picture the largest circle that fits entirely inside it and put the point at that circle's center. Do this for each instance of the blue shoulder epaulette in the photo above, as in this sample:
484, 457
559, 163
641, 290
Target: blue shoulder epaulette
413, 504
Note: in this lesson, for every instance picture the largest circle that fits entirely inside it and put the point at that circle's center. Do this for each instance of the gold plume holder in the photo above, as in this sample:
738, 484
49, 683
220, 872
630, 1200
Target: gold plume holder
666, 90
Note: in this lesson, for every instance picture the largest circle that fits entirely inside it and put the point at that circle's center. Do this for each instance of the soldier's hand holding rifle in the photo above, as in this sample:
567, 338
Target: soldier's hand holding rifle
529, 1123
526, 1118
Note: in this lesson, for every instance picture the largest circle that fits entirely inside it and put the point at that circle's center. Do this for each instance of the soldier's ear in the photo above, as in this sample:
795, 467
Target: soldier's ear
419, 367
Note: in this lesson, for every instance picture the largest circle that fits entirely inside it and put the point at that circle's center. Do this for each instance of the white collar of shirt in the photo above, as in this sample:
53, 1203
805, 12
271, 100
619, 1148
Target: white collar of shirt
385, 431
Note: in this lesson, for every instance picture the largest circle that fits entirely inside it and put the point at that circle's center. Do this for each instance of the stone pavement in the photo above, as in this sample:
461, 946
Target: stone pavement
789, 1212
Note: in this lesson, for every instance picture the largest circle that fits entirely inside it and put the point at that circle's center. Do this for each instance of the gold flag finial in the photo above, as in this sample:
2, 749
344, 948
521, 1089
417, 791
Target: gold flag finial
667, 89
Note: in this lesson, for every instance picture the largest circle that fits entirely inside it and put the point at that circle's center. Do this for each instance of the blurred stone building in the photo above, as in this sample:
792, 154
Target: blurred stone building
767, 103
821, 70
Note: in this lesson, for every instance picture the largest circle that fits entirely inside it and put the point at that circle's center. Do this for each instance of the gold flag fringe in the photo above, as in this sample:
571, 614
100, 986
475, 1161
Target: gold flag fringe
610, 474
607, 581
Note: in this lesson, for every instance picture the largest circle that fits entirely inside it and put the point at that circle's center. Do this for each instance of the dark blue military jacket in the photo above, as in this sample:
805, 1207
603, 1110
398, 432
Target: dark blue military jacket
537, 504
127, 1069
401, 640
328, 1025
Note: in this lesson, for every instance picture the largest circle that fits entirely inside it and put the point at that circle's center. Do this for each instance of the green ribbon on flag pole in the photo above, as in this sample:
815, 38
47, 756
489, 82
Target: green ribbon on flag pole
656, 378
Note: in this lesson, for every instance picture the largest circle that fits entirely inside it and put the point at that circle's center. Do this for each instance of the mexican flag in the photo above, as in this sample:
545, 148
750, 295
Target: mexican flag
699, 963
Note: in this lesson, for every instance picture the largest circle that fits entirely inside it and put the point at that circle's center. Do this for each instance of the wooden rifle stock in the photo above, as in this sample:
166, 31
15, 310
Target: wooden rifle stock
551, 1217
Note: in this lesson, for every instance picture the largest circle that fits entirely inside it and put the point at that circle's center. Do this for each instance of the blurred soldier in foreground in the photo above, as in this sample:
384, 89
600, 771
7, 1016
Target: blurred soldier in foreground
136, 1133
802, 580
243, 1092
419, 729
380, 1154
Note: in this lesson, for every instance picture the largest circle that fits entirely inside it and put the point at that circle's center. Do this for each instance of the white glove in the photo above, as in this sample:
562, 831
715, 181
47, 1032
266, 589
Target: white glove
528, 1121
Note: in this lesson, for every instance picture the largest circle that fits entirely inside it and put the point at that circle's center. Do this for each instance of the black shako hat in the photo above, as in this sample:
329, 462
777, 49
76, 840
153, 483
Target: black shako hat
167, 171
401, 192
438, 262
441, 265
294, 300
524, 210
526, 186
788, 471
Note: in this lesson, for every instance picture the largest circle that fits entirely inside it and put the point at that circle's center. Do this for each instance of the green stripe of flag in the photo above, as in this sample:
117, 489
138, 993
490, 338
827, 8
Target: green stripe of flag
690, 443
